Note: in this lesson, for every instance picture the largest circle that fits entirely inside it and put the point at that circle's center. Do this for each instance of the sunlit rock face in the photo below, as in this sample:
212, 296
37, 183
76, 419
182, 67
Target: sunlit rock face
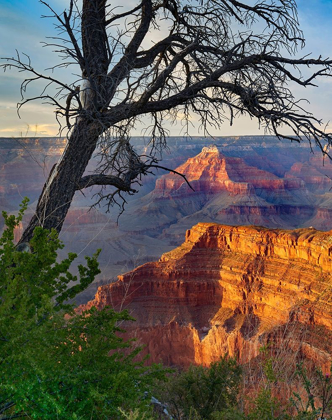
316, 173
225, 189
231, 290
211, 172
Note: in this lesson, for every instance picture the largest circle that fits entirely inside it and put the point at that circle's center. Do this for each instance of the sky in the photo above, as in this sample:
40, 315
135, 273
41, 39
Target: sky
23, 29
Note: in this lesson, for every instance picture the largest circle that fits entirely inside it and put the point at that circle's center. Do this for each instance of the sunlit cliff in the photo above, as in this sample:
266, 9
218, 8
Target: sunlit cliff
231, 290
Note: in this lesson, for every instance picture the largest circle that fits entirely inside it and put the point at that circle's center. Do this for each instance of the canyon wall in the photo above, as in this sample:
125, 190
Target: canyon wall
231, 290
238, 181
226, 189
210, 171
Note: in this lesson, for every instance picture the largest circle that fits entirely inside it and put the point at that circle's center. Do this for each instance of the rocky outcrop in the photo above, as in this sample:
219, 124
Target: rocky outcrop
231, 290
225, 190
211, 172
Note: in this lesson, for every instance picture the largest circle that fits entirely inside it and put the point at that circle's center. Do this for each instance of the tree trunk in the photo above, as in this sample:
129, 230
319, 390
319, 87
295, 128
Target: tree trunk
63, 181
60, 187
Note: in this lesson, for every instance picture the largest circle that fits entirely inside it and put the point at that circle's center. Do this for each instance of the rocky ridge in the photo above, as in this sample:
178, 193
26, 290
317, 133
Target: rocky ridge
225, 189
211, 171
231, 290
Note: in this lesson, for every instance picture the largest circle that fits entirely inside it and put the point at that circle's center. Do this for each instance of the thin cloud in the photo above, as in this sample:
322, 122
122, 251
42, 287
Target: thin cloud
21, 27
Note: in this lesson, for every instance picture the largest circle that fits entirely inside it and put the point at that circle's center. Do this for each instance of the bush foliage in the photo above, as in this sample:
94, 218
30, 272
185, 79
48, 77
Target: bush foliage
201, 391
55, 363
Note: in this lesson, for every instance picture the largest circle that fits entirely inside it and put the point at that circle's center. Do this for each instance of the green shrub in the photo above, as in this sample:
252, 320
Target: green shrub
201, 391
229, 414
316, 400
266, 407
54, 363
135, 415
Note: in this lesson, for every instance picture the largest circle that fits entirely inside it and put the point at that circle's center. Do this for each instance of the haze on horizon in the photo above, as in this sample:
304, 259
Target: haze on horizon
24, 30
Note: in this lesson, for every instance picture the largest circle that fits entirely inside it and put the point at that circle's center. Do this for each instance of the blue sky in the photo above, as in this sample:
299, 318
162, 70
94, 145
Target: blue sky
22, 28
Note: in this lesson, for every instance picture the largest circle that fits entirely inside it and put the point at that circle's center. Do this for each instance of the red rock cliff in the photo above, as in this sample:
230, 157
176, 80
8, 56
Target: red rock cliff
212, 172
230, 290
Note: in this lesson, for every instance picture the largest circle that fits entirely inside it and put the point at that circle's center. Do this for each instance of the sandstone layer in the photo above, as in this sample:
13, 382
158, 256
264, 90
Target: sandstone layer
231, 290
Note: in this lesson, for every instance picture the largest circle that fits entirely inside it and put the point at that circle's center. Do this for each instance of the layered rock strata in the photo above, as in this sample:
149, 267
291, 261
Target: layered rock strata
211, 172
225, 190
231, 290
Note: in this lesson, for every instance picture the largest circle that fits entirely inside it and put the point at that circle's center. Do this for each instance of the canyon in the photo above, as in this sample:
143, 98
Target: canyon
221, 188
231, 287
238, 181
231, 290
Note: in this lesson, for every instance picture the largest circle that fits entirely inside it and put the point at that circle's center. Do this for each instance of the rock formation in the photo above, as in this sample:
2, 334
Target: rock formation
24, 166
231, 290
316, 173
224, 190
211, 172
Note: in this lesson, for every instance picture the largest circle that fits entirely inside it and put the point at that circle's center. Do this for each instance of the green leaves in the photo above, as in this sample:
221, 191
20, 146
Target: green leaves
199, 392
54, 362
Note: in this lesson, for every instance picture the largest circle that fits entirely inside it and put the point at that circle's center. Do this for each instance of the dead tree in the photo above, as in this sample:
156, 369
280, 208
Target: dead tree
207, 59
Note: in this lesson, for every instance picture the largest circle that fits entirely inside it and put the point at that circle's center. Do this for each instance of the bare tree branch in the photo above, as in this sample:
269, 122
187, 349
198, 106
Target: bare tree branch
211, 60
101, 179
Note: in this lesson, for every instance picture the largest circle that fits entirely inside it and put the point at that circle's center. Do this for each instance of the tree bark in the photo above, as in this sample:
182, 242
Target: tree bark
63, 181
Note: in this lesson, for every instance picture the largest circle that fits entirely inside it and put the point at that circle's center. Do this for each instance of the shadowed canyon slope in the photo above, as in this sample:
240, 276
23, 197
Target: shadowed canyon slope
231, 290
24, 167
